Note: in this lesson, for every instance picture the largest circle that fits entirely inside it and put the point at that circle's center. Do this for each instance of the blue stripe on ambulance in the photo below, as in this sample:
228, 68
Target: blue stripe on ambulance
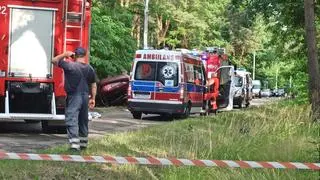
144, 86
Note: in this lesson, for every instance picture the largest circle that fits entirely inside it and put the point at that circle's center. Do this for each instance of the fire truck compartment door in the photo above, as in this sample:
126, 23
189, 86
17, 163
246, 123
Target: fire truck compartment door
31, 42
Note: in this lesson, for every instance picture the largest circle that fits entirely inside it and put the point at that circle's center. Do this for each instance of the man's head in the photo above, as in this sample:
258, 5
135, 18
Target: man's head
80, 52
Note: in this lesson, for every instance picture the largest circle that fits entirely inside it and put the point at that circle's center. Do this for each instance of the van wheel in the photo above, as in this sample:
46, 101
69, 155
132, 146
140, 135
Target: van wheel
136, 115
241, 103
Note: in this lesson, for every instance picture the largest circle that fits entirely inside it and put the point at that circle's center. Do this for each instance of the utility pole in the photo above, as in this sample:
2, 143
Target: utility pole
277, 72
290, 82
254, 65
145, 28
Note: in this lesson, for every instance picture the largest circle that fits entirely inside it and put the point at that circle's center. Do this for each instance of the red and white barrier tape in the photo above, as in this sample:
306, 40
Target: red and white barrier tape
160, 161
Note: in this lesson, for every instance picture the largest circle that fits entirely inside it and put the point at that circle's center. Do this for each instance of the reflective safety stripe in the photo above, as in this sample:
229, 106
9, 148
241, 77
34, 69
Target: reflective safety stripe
75, 146
74, 140
83, 144
85, 139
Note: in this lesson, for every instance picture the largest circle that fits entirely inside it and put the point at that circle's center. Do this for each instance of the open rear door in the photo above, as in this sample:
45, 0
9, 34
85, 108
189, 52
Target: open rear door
226, 89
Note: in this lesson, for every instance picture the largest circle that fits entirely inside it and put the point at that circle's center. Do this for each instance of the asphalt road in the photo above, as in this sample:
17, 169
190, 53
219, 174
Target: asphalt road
19, 136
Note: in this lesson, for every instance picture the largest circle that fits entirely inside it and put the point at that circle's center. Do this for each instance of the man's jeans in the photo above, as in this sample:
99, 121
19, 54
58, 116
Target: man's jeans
77, 119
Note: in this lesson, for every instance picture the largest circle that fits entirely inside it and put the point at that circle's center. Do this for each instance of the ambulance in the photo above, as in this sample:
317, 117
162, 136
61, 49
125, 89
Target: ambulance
166, 82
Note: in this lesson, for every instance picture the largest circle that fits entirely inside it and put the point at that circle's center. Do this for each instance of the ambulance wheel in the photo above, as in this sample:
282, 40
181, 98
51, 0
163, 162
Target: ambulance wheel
215, 111
136, 115
187, 110
206, 109
204, 114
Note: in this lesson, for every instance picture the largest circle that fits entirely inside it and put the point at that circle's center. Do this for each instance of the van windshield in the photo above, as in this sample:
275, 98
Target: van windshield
238, 81
256, 87
164, 72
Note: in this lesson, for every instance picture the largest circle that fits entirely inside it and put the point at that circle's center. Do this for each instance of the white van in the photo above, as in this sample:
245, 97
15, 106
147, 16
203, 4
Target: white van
256, 88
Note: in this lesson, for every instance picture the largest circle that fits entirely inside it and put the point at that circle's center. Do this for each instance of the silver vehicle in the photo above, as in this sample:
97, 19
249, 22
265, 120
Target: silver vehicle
266, 93
243, 89
256, 88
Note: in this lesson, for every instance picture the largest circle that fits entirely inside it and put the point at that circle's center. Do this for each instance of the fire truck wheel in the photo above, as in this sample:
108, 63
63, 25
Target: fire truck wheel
45, 126
58, 127
31, 121
215, 111
136, 115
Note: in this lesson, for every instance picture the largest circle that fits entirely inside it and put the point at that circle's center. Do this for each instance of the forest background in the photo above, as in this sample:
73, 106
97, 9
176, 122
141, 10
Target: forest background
272, 30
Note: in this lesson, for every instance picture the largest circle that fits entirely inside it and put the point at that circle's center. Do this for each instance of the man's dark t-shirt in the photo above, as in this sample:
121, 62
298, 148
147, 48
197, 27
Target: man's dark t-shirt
77, 77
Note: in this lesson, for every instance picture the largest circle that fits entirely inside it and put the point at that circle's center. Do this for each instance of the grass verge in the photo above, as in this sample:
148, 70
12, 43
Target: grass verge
277, 132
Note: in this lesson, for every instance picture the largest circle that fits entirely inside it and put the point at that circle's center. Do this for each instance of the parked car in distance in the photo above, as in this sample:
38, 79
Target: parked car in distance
281, 92
256, 88
274, 92
266, 93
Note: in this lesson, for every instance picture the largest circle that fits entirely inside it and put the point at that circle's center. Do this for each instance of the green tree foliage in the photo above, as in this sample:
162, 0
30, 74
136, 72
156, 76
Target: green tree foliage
273, 29
112, 46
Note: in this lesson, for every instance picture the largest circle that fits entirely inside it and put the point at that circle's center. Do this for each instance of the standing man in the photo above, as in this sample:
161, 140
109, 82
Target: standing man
78, 76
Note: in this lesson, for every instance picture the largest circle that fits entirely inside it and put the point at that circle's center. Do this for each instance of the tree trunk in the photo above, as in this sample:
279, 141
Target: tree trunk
313, 66
162, 29
136, 28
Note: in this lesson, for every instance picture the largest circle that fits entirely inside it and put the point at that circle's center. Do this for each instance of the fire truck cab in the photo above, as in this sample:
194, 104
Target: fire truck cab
167, 83
31, 34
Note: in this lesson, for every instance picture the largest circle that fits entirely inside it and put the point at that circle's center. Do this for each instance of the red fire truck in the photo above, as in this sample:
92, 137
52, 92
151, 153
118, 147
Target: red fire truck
31, 33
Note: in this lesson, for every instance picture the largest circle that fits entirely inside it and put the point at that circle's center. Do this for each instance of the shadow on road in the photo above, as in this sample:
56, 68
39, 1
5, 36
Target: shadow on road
28, 128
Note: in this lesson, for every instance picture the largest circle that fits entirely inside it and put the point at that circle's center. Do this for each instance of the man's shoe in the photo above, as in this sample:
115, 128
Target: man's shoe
74, 150
75, 147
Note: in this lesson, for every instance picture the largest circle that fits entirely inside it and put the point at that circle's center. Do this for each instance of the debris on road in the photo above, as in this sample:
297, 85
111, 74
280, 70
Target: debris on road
93, 115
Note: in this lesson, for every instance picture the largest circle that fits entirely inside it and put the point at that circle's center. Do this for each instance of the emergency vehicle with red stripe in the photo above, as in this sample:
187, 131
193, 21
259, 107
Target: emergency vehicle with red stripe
32, 32
167, 83
220, 74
